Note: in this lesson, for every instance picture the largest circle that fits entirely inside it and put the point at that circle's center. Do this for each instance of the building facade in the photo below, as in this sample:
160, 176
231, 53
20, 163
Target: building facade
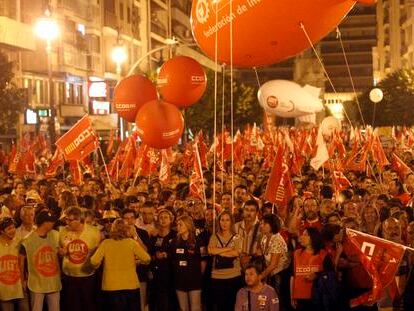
83, 72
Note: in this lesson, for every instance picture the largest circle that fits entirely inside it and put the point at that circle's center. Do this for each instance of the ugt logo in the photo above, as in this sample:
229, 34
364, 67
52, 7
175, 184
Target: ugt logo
202, 11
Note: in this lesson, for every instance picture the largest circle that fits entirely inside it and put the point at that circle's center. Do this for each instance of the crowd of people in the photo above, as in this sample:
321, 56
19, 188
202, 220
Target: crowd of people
139, 244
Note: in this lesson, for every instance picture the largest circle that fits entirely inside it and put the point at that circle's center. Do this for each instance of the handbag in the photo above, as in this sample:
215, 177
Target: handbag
221, 262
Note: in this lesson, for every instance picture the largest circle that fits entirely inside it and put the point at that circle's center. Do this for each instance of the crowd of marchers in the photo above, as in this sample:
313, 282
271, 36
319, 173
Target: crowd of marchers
142, 244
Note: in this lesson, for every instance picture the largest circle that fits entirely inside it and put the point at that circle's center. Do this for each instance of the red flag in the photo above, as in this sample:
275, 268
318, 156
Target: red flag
399, 166
165, 169
130, 154
279, 188
142, 161
196, 179
379, 257
56, 161
378, 153
26, 164
340, 182
202, 148
14, 158
111, 142
75, 172
79, 141
358, 161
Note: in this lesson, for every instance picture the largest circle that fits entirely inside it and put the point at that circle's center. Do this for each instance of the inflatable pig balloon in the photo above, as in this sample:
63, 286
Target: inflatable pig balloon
288, 99
264, 31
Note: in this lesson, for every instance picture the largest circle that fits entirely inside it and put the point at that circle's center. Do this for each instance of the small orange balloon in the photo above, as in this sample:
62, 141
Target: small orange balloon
264, 31
182, 81
159, 124
131, 94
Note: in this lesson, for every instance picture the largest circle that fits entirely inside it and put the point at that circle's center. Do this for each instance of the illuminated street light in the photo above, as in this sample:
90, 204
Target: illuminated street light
119, 55
47, 29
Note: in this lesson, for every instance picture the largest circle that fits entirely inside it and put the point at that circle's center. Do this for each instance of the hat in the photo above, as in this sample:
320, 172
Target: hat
44, 216
110, 214
5, 222
33, 195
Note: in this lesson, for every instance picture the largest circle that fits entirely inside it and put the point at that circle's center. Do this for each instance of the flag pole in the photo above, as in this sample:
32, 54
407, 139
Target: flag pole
106, 168
202, 176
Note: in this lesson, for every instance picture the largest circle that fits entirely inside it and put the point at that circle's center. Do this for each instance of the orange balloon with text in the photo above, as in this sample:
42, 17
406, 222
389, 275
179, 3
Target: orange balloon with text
159, 124
131, 94
182, 81
264, 32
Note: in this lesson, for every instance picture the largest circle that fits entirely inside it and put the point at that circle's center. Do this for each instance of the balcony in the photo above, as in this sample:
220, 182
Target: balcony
78, 8
179, 16
110, 20
158, 29
16, 35
71, 57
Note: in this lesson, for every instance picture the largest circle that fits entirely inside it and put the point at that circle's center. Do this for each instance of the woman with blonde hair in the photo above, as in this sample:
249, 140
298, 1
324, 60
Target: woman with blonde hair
225, 246
185, 255
370, 220
119, 254
67, 199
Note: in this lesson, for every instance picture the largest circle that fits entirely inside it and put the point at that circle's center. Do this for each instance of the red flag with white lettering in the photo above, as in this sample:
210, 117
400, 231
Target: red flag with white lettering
279, 188
399, 166
79, 141
379, 257
196, 178
165, 169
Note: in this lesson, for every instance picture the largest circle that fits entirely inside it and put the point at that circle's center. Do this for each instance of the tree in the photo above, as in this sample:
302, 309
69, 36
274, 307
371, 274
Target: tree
246, 108
397, 106
11, 98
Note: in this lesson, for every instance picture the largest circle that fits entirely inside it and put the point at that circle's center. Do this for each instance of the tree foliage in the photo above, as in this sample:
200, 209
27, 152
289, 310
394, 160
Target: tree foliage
245, 105
11, 98
397, 106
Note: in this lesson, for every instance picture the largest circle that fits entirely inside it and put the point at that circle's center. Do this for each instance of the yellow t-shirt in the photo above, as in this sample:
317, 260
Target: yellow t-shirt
80, 248
10, 280
119, 256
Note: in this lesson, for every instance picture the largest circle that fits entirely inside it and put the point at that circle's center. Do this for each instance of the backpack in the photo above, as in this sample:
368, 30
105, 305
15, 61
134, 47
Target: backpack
326, 290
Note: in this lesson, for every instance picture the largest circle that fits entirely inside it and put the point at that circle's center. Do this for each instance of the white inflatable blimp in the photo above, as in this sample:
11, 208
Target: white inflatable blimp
288, 99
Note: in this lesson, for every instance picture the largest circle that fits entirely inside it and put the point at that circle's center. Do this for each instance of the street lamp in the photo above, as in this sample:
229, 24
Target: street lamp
119, 55
47, 29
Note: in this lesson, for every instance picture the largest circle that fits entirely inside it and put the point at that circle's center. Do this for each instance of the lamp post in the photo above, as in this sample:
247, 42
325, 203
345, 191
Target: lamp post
119, 56
47, 29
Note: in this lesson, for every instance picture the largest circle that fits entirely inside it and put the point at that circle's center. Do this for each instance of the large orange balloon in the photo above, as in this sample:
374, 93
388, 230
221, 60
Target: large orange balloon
182, 81
264, 31
131, 94
160, 124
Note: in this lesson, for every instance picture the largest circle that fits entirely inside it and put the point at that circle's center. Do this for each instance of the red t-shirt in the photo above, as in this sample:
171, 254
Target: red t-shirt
305, 264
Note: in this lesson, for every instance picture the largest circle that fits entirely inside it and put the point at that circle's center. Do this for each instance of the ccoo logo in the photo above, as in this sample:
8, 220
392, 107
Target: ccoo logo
202, 11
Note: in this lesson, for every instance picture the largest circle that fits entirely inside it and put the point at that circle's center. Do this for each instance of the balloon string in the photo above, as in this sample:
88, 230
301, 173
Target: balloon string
222, 123
339, 36
215, 123
323, 67
232, 103
257, 77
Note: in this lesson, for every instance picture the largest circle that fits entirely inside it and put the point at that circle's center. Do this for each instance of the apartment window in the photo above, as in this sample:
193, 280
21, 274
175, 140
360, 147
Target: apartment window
129, 15
70, 93
78, 94
121, 11
110, 5
61, 93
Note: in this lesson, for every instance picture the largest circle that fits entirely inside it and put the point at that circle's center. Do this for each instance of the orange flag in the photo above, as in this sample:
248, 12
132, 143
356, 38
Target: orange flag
79, 141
